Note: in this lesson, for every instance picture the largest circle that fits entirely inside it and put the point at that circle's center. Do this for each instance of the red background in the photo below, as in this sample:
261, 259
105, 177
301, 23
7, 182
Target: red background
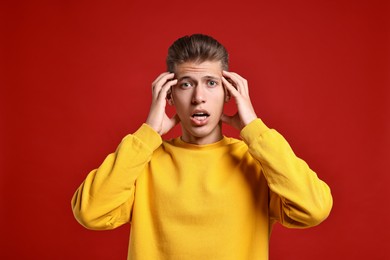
76, 76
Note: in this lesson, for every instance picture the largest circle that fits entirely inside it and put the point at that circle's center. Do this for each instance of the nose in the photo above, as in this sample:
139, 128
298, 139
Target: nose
199, 95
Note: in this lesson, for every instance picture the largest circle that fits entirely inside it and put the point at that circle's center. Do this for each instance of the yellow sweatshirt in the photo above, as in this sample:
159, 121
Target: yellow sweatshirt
216, 201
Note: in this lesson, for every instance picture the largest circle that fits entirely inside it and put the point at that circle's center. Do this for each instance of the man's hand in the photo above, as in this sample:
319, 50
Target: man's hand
157, 118
237, 87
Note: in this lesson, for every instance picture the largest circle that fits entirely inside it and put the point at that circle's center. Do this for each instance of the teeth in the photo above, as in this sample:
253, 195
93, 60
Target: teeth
200, 116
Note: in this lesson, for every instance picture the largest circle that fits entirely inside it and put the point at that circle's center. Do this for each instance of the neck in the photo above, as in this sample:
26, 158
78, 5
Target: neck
201, 139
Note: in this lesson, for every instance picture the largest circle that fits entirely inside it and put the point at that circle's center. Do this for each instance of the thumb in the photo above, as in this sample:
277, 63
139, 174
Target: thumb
171, 123
233, 121
175, 120
227, 119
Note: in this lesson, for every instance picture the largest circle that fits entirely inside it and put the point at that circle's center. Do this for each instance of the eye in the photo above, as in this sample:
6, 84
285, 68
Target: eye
212, 83
185, 85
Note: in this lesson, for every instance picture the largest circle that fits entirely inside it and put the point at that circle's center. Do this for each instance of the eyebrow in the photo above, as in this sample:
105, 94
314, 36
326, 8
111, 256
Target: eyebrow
205, 77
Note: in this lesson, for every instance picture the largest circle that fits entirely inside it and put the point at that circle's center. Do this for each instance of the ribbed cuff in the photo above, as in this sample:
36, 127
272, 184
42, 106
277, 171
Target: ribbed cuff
148, 136
252, 130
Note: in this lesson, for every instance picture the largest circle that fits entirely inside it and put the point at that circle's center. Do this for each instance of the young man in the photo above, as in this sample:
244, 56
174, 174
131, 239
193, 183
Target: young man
202, 195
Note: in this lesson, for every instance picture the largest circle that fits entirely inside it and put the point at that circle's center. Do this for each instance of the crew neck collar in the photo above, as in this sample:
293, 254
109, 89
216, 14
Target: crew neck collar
180, 143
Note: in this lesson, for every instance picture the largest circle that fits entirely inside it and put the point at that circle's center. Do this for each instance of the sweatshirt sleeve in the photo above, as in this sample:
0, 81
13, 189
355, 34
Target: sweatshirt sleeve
298, 198
105, 199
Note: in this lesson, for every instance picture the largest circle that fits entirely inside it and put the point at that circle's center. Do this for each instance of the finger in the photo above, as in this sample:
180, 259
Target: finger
175, 120
170, 123
232, 78
232, 90
165, 88
162, 78
226, 119
242, 84
235, 75
159, 83
159, 77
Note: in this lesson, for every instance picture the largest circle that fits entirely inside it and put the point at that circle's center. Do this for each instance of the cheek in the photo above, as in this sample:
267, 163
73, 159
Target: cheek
219, 98
180, 104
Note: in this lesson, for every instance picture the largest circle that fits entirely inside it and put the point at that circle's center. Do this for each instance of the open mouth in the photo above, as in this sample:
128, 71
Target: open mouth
200, 116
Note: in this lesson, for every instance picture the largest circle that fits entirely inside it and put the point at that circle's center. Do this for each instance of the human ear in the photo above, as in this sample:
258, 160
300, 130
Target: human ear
227, 94
170, 97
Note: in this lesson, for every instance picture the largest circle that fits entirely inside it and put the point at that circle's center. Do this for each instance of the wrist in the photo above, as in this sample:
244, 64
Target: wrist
248, 119
151, 122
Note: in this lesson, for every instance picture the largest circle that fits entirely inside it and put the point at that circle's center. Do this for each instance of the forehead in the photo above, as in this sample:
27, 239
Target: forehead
199, 70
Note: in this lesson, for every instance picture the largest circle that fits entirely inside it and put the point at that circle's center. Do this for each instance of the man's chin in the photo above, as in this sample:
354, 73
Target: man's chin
196, 133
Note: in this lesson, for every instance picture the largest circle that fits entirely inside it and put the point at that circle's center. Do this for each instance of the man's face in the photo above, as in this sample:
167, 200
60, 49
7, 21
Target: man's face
199, 98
